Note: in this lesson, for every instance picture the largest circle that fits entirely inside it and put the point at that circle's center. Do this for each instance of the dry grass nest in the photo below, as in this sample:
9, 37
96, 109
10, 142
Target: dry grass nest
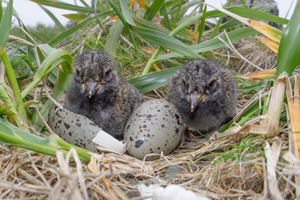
217, 167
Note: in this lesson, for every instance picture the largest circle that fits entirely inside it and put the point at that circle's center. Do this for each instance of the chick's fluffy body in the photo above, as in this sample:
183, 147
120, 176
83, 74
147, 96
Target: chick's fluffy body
113, 102
212, 79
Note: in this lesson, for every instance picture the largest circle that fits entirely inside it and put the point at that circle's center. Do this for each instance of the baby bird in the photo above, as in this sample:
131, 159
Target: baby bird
204, 93
98, 93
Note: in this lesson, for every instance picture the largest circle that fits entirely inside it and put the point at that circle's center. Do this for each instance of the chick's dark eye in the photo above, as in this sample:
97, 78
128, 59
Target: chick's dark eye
212, 84
77, 72
107, 73
184, 83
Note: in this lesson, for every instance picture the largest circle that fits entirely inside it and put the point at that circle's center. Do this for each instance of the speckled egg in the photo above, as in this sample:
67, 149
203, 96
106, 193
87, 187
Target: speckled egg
80, 131
153, 127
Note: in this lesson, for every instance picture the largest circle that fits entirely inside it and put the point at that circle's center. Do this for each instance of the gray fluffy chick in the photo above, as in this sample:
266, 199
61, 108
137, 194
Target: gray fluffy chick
98, 93
204, 93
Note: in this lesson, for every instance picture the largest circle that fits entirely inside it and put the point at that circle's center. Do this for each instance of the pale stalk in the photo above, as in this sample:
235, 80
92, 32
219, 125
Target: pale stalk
294, 115
294, 112
275, 104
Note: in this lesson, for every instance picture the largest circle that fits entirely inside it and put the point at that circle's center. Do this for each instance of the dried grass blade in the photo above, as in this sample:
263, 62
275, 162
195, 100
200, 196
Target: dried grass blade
272, 158
258, 75
294, 112
275, 104
143, 4
265, 29
269, 43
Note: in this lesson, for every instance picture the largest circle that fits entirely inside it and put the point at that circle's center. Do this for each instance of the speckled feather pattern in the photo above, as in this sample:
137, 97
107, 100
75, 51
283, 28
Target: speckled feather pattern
114, 101
216, 82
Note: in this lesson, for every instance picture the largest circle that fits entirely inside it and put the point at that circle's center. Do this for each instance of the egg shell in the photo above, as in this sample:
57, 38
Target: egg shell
153, 127
80, 131
73, 128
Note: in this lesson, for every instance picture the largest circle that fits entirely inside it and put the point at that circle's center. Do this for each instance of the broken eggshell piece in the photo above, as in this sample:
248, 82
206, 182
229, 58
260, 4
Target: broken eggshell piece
80, 131
154, 127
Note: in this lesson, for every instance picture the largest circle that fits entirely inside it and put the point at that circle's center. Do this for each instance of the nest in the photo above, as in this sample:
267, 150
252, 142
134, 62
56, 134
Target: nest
216, 167
200, 168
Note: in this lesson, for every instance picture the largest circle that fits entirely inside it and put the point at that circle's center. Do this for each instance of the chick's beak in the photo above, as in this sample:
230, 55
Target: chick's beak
91, 87
195, 98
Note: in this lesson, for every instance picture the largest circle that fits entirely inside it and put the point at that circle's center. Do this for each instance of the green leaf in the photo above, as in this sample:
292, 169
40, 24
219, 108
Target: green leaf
213, 43
5, 25
54, 58
184, 24
166, 21
113, 38
249, 13
20, 66
154, 80
55, 20
72, 30
49, 63
126, 13
15, 87
9, 134
167, 41
202, 25
1, 11
153, 9
252, 88
289, 51
183, 35
125, 17
65, 6
76, 17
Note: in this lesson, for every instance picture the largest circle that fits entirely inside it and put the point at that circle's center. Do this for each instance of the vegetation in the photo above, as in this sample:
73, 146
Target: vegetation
150, 40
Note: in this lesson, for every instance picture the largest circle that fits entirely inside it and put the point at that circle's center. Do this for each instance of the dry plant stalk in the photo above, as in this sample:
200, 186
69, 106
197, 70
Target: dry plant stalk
275, 105
272, 155
294, 112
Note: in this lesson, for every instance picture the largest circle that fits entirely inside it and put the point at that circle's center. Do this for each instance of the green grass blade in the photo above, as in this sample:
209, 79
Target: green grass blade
153, 9
52, 56
1, 11
65, 6
213, 43
60, 86
53, 59
184, 24
4, 32
249, 13
5, 25
177, 13
183, 35
84, 3
289, 51
76, 17
231, 23
166, 21
154, 80
216, 29
5, 98
202, 25
39, 36
126, 13
54, 19
126, 19
72, 30
113, 38
9, 134
167, 41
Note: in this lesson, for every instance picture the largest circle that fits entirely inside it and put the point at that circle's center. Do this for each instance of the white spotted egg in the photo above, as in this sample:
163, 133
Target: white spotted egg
154, 127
